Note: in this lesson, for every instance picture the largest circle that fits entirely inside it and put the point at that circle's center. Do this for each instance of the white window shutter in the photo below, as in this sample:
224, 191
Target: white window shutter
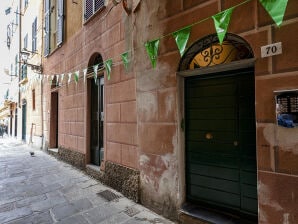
46, 27
60, 21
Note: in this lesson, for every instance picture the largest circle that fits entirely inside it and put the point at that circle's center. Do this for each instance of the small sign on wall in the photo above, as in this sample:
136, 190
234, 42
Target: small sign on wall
271, 49
287, 108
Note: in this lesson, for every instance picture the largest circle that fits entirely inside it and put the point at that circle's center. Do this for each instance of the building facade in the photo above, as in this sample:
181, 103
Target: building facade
11, 67
201, 132
30, 60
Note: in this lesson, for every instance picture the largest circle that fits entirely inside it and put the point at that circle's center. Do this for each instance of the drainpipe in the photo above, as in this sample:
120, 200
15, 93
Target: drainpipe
41, 83
20, 116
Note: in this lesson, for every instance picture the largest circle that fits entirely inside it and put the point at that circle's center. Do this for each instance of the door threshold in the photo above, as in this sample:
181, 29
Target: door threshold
194, 214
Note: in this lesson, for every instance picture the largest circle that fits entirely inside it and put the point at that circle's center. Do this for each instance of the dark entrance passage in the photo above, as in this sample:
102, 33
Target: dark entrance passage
220, 141
54, 121
97, 120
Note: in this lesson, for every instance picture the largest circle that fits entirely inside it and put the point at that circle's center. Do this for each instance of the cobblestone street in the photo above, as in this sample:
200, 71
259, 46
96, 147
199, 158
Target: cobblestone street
40, 189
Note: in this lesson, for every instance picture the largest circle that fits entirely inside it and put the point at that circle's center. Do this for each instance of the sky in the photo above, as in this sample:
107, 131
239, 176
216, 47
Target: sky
4, 79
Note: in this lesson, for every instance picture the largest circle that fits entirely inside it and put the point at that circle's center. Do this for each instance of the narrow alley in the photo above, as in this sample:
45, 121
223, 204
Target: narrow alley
40, 189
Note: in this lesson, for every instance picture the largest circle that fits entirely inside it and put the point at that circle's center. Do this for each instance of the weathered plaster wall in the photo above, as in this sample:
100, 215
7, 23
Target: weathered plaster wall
157, 101
156, 112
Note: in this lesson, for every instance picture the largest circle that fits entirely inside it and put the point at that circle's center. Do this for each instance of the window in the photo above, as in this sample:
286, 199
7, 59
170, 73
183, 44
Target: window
17, 17
26, 41
24, 72
92, 6
16, 66
53, 25
33, 99
8, 40
34, 35
26, 3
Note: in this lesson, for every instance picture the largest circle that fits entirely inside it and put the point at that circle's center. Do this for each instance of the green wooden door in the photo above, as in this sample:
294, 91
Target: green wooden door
221, 141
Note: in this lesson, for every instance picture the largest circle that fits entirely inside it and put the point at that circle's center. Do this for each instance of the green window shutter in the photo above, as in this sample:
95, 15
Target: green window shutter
46, 27
60, 22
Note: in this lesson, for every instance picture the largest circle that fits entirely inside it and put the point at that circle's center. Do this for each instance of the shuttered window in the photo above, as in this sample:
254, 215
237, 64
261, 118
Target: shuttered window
26, 41
60, 22
34, 35
46, 27
92, 6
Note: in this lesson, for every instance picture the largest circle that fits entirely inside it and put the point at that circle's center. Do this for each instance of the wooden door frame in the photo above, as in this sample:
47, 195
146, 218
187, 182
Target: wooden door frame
54, 120
181, 75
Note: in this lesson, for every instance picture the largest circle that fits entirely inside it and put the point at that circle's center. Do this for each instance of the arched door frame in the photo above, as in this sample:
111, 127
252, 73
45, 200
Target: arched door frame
95, 59
248, 61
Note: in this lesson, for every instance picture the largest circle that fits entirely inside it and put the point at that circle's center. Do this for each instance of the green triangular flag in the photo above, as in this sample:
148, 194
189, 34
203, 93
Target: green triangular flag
181, 38
108, 67
125, 60
276, 9
76, 76
95, 68
221, 23
152, 50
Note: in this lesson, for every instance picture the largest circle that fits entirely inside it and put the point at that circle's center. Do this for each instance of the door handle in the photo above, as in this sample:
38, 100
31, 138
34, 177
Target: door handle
209, 136
235, 143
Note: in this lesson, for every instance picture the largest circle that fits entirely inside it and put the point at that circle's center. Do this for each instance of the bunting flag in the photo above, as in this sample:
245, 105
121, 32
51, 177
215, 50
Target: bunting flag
221, 23
85, 74
181, 37
62, 77
57, 80
276, 9
51, 79
108, 66
69, 77
95, 68
125, 60
76, 76
152, 51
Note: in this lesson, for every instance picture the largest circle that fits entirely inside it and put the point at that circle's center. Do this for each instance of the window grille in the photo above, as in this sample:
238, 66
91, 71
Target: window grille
92, 6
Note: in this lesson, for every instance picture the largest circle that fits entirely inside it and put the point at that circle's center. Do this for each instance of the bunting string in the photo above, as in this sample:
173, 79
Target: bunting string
275, 9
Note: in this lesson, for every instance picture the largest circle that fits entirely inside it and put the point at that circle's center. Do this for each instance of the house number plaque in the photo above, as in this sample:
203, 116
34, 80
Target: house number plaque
271, 49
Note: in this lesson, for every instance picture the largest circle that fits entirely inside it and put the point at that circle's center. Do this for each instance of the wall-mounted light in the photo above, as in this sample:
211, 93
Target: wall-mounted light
25, 54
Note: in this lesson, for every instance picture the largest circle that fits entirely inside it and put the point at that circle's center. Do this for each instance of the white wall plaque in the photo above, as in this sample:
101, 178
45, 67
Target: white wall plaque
271, 49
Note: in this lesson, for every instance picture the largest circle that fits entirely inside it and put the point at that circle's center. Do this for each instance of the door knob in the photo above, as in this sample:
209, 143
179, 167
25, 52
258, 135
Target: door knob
209, 136
235, 143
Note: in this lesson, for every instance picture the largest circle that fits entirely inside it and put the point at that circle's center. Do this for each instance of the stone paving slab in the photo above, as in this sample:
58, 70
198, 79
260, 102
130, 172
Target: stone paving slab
41, 189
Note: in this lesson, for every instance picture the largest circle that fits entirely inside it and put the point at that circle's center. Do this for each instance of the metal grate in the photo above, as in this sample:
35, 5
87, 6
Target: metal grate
131, 211
108, 195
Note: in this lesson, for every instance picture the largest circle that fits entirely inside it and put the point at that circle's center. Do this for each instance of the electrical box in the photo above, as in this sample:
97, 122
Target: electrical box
287, 108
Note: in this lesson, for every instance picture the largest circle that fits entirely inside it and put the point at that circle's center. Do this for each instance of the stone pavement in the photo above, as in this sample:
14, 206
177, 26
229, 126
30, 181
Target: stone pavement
40, 189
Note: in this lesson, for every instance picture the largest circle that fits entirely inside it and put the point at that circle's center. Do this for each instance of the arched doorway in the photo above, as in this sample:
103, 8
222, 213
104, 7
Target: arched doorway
220, 132
96, 108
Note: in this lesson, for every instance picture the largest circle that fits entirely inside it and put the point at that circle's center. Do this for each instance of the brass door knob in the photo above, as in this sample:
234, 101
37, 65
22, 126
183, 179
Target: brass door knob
209, 136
